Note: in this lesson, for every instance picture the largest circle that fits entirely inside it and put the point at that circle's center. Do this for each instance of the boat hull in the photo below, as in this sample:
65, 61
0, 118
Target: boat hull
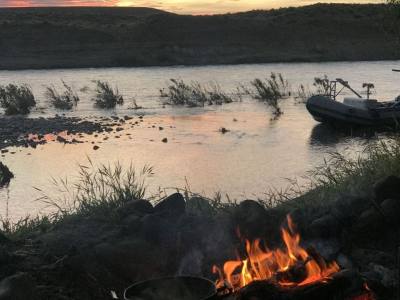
325, 110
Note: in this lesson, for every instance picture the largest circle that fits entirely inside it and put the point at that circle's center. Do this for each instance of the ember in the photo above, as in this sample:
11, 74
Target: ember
292, 266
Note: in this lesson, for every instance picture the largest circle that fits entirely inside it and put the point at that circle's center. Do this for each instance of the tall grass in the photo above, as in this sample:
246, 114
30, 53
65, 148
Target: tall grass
194, 94
270, 91
105, 96
97, 192
65, 101
321, 85
16, 99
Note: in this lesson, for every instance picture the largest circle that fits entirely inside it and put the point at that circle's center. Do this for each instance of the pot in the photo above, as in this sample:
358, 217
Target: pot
172, 288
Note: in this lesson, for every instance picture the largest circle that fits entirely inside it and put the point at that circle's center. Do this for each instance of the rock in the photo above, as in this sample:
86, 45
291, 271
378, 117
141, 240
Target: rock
251, 217
18, 287
164, 140
174, 205
369, 219
159, 231
223, 130
160, 128
386, 188
96, 147
325, 226
133, 224
136, 207
198, 206
387, 277
391, 210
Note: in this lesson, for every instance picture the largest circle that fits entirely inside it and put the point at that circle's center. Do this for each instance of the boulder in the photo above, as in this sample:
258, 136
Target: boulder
173, 206
251, 219
198, 206
18, 287
325, 226
391, 210
386, 188
136, 207
159, 231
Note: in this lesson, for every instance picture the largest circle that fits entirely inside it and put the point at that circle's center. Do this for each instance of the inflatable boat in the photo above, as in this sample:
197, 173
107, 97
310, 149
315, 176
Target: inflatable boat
353, 110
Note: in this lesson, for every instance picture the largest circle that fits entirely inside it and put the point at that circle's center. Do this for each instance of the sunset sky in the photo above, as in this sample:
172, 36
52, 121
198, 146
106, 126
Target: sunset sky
178, 6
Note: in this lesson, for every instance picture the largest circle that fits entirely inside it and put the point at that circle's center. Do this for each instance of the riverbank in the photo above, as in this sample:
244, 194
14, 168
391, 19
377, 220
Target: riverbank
45, 38
348, 214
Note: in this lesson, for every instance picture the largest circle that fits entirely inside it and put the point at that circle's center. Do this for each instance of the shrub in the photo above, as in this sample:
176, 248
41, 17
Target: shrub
194, 94
105, 96
67, 100
322, 85
5, 175
270, 91
16, 99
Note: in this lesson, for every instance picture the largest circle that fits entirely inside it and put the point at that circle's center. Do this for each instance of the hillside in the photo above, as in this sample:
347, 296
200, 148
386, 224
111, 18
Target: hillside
102, 37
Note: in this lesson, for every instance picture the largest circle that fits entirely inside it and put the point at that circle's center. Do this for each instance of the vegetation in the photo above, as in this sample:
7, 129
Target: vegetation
16, 99
98, 192
105, 96
194, 94
270, 91
174, 39
321, 85
5, 175
66, 101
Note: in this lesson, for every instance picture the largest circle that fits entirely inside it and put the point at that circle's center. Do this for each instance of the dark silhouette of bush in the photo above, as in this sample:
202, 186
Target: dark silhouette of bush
16, 99
105, 96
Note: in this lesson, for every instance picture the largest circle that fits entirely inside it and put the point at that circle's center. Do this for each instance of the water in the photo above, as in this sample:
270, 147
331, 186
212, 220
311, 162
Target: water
253, 156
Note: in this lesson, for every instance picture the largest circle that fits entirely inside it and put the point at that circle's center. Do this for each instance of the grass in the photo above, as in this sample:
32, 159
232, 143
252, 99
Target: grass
99, 191
270, 91
194, 94
321, 85
65, 101
106, 96
16, 99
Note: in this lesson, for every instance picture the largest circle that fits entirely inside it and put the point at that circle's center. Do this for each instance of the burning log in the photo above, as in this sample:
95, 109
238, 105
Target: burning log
343, 285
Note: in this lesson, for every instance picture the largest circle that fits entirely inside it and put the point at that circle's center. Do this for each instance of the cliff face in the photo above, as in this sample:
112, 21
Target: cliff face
101, 37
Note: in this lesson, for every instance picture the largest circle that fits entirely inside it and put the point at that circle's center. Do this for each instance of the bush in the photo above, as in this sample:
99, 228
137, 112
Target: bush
270, 91
66, 101
194, 94
16, 99
5, 175
322, 85
106, 96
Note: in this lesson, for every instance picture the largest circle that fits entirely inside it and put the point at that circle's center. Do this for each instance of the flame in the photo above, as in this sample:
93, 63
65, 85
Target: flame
367, 295
288, 267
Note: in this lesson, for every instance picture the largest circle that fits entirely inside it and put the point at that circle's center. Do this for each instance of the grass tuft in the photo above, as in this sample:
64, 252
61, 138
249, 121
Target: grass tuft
16, 99
106, 96
194, 94
65, 101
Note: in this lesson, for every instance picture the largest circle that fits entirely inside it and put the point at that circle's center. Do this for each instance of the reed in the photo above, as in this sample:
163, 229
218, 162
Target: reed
105, 96
16, 99
65, 101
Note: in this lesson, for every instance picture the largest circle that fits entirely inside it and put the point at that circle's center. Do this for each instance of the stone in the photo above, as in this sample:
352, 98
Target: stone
391, 210
386, 188
198, 206
164, 140
369, 219
18, 287
325, 226
173, 205
136, 207
250, 218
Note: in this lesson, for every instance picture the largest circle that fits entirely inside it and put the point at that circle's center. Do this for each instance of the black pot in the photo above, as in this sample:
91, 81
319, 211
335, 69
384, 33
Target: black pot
172, 288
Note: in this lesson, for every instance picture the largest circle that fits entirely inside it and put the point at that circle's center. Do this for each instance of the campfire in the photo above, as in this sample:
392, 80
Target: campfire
290, 270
